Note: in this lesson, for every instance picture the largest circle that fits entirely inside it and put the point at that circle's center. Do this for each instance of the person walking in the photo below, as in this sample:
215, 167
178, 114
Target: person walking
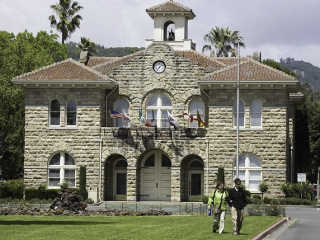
218, 203
237, 201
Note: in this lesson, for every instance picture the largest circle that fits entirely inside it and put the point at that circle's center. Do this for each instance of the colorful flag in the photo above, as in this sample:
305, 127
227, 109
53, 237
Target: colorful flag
142, 119
189, 117
200, 122
115, 114
172, 121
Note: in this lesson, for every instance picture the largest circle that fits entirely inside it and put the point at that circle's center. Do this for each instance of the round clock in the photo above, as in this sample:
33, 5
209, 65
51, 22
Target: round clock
159, 67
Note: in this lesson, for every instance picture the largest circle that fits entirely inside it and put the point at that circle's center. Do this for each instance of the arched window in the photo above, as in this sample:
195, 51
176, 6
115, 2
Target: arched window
61, 169
71, 113
169, 31
149, 162
158, 107
249, 171
165, 161
255, 113
196, 105
241, 114
55, 112
121, 106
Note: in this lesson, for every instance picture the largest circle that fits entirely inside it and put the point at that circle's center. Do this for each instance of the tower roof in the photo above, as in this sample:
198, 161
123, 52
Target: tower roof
170, 7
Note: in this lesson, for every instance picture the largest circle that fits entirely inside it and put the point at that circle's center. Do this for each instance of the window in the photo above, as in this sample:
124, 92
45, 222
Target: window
55, 113
71, 113
165, 161
255, 113
121, 106
249, 171
149, 162
158, 107
61, 169
196, 105
241, 114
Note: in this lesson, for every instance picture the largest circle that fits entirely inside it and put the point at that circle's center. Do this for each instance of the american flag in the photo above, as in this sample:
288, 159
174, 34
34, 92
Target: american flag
115, 114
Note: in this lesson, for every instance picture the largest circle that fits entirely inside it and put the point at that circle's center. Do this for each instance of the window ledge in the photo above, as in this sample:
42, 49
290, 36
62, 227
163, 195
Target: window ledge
63, 128
249, 129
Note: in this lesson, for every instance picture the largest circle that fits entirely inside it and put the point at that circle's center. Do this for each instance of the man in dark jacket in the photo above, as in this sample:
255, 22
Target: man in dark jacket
237, 201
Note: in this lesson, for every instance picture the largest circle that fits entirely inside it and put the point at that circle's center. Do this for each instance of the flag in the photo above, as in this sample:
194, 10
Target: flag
200, 122
143, 121
172, 121
190, 117
115, 114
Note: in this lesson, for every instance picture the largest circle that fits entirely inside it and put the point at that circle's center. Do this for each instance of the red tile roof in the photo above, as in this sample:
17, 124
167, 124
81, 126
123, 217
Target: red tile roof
170, 6
93, 61
250, 70
63, 71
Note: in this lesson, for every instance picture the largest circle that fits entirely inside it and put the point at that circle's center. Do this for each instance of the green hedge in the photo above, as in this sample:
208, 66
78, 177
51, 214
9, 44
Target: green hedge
34, 193
12, 189
297, 190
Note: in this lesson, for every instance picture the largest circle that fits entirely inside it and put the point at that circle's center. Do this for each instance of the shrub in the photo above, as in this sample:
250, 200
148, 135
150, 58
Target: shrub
205, 199
12, 189
83, 183
263, 187
297, 190
40, 193
267, 200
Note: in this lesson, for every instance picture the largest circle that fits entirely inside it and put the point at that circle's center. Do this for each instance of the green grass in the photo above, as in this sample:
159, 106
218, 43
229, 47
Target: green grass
120, 228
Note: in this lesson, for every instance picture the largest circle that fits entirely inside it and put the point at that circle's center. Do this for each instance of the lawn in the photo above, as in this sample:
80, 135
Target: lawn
120, 228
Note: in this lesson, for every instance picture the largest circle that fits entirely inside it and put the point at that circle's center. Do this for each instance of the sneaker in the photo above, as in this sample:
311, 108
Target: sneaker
235, 233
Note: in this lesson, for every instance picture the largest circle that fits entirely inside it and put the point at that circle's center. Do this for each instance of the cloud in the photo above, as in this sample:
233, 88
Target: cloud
286, 28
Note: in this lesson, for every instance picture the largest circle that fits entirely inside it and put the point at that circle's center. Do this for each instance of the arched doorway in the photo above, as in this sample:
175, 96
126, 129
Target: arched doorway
169, 31
192, 179
115, 178
155, 181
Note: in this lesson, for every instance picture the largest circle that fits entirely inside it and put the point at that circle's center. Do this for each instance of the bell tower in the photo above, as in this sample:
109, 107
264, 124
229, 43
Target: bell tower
171, 25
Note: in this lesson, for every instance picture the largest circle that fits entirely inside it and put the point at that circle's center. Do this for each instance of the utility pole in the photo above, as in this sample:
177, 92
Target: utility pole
318, 186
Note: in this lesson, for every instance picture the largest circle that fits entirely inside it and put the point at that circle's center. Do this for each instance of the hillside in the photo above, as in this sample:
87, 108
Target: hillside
306, 72
73, 51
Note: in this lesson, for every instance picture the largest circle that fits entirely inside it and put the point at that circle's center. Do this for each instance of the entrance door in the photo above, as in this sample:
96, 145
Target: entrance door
156, 177
195, 185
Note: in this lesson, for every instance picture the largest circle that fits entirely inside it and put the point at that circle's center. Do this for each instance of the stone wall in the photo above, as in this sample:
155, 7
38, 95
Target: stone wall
137, 80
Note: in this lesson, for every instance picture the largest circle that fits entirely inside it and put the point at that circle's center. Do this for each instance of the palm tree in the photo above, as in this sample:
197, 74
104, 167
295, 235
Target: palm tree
68, 19
86, 45
223, 41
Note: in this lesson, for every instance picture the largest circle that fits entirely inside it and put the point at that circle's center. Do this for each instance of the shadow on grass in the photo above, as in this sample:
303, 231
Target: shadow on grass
19, 222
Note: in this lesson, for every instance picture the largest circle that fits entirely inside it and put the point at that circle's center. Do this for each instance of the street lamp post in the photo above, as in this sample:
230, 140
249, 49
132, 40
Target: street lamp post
238, 100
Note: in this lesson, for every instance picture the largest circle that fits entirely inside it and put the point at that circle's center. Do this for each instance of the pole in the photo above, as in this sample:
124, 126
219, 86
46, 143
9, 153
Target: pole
318, 186
238, 100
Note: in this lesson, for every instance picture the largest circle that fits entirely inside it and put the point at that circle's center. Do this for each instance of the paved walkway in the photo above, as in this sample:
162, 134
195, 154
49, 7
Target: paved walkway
306, 226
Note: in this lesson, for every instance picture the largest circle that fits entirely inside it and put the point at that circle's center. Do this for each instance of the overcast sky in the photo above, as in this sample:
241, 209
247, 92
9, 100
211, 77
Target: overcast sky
277, 28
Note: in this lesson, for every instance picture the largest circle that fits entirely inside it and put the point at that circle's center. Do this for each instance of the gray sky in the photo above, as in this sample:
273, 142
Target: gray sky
277, 28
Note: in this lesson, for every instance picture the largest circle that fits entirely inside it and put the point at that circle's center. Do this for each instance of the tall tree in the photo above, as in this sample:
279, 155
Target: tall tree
69, 20
86, 45
20, 54
222, 42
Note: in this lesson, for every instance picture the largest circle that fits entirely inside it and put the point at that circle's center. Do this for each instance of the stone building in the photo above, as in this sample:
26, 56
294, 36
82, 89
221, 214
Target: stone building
68, 120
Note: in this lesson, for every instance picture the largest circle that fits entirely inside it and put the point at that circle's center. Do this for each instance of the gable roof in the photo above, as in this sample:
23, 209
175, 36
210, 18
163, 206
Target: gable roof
107, 67
250, 71
210, 64
66, 71
170, 7
94, 61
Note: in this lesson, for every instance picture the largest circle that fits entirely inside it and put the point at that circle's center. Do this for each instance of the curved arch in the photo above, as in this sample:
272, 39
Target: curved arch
192, 178
115, 177
154, 92
55, 112
169, 34
256, 113
61, 169
241, 113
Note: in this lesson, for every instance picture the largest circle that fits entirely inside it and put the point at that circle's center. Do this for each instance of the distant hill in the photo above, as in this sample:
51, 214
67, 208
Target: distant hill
73, 51
306, 72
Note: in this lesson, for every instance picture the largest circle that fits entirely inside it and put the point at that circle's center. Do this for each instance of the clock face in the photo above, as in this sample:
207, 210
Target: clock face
159, 67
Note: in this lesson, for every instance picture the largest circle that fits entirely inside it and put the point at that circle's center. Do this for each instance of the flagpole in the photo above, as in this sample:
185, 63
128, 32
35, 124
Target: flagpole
238, 100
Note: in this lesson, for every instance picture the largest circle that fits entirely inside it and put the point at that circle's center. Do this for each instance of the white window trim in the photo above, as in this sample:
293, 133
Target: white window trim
62, 167
234, 115
158, 109
66, 115
257, 127
204, 111
49, 115
247, 169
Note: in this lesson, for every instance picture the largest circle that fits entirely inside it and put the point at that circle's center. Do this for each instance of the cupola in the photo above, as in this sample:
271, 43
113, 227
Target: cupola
171, 25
